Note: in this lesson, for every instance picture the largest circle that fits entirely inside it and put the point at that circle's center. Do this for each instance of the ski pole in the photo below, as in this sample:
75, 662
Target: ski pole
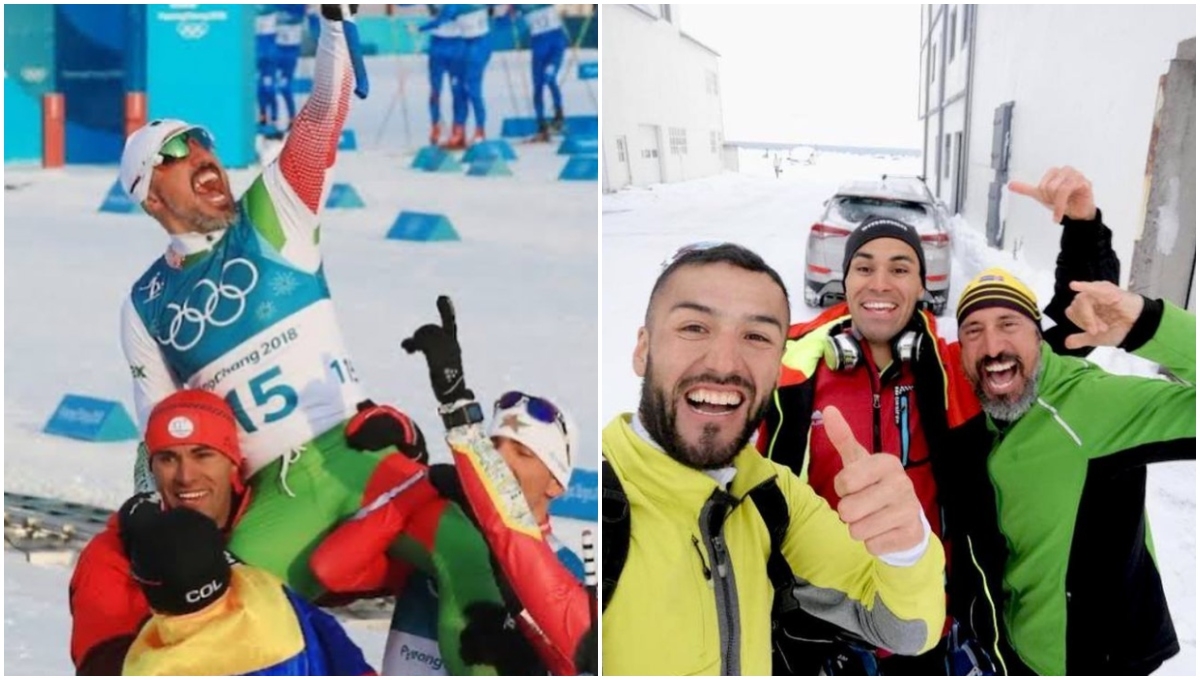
589, 569
361, 85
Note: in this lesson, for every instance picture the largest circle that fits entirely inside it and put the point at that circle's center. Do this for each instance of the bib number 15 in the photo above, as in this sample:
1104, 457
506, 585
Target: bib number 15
280, 396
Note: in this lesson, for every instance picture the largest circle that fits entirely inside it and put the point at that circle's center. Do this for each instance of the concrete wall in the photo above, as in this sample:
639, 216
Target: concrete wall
654, 75
1084, 79
1164, 263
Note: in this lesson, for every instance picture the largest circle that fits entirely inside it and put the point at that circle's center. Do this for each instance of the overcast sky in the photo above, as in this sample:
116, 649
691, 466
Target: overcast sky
831, 75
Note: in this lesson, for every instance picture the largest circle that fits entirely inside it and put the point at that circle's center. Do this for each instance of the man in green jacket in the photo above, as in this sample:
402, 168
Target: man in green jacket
1054, 513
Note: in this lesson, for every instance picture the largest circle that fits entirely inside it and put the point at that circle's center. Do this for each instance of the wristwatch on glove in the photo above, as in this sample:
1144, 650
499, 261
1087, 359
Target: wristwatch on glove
460, 413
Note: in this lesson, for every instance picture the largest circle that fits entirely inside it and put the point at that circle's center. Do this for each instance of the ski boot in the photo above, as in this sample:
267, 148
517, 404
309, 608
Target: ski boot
458, 139
558, 123
543, 133
435, 133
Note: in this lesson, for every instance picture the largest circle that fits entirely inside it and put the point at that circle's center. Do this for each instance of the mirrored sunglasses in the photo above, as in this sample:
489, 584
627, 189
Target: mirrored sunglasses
179, 147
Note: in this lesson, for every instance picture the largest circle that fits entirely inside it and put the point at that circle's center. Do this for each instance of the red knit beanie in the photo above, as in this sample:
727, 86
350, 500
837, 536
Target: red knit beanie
196, 417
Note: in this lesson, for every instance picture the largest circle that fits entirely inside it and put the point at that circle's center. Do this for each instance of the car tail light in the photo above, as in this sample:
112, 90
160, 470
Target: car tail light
826, 231
818, 269
938, 278
939, 240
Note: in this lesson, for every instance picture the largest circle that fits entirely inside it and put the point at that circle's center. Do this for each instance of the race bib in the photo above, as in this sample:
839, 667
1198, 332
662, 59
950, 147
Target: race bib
289, 34
543, 20
264, 24
473, 24
412, 645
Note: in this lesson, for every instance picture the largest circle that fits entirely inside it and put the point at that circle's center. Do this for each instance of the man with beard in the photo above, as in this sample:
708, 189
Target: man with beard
694, 595
239, 306
1052, 506
880, 360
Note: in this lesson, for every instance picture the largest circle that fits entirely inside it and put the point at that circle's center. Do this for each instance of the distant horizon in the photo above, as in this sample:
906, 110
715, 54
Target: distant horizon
831, 75
753, 144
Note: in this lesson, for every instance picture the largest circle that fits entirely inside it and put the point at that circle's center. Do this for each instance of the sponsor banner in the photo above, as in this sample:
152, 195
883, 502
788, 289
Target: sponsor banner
581, 501
200, 68
91, 419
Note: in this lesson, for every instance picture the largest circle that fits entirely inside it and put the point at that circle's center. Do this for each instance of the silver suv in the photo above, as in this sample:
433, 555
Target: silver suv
903, 198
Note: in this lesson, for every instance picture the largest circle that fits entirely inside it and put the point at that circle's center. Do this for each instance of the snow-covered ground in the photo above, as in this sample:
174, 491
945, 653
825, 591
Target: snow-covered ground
644, 227
523, 279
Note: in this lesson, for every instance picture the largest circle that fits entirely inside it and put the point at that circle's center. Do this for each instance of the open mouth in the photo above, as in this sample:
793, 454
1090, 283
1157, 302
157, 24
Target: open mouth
192, 497
1000, 375
209, 186
876, 307
714, 402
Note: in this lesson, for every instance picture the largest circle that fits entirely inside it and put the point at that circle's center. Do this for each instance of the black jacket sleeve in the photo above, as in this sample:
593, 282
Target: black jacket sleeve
1085, 254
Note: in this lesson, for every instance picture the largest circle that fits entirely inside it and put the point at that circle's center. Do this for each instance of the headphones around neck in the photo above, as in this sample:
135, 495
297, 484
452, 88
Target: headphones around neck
843, 350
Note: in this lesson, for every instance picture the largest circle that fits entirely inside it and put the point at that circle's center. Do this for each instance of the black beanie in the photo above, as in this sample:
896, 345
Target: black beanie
178, 558
883, 227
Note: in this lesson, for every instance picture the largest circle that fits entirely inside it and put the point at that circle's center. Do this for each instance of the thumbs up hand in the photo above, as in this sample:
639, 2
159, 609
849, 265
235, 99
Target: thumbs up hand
878, 501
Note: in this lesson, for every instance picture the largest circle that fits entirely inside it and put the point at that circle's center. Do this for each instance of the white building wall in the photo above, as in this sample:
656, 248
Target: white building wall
655, 75
1084, 79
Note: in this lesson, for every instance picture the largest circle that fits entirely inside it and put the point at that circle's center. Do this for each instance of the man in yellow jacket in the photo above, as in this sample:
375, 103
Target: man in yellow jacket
694, 596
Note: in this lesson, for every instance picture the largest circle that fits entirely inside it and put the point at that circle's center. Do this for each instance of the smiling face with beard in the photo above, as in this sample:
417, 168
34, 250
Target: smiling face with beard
716, 334
192, 194
658, 414
1001, 354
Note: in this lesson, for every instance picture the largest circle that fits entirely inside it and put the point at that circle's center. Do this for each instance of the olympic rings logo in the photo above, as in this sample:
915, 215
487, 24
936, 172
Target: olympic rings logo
189, 323
191, 31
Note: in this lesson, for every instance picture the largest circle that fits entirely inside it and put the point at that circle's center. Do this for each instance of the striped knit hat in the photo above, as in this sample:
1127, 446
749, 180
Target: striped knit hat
996, 287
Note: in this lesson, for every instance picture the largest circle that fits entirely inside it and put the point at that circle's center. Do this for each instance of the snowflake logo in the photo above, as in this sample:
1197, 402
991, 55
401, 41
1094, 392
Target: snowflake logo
265, 311
283, 283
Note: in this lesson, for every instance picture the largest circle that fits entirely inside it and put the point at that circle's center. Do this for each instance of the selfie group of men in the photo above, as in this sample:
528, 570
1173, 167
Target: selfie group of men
857, 494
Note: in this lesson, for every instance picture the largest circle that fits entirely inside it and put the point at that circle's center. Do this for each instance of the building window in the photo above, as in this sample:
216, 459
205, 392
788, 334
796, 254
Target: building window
946, 157
953, 36
621, 149
678, 138
710, 83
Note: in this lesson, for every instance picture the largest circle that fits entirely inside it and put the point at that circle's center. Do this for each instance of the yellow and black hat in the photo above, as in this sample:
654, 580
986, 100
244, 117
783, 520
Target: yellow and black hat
996, 287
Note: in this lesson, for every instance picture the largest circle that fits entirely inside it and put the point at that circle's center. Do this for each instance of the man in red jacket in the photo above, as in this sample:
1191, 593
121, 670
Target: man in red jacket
194, 456
881, 361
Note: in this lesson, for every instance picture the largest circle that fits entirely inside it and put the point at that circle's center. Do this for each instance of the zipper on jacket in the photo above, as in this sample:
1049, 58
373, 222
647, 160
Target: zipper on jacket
722, 556
700, 554
876, 386
712, 525
991, 606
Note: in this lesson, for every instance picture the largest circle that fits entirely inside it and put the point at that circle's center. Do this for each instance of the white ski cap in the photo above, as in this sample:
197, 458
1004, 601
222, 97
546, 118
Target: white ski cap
552, 445
141, 148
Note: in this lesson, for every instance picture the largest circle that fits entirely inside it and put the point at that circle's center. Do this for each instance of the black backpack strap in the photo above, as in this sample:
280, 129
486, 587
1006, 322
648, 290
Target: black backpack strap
773, 508
615, 546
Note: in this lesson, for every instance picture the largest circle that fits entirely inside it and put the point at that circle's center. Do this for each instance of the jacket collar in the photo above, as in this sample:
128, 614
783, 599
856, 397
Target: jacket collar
642, 464
187, 248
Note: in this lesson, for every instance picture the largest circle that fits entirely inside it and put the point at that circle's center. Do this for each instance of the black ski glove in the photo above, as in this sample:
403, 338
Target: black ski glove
442, 353
492, 637
136, 515
375, 428
334, 12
